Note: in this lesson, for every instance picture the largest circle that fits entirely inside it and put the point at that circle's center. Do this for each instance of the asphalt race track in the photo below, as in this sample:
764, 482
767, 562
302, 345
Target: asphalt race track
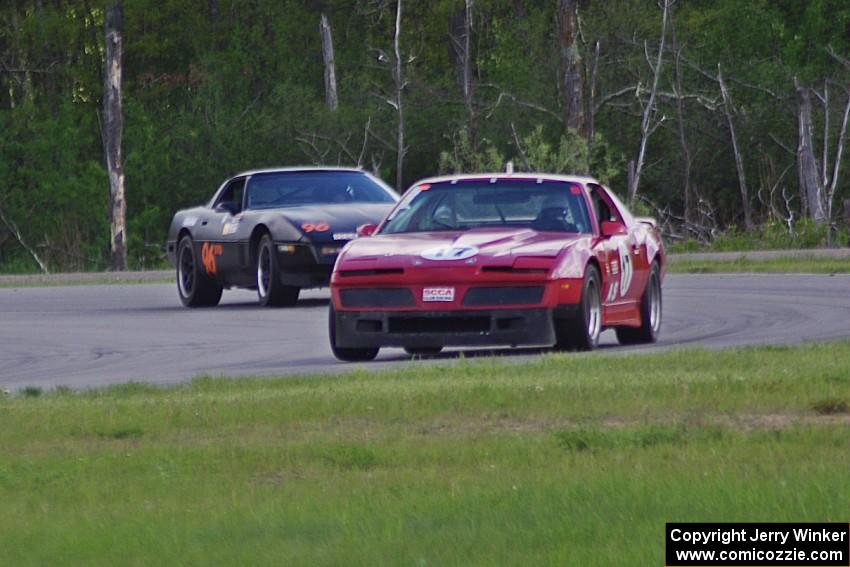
92, 335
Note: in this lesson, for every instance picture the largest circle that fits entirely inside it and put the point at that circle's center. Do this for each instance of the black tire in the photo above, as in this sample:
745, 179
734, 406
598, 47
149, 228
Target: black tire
650, 313
423, 351
347, 354
582, 332
270, 291
194, 286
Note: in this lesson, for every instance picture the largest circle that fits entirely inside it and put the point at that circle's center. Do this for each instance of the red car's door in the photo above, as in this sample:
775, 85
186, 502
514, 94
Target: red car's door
622, 265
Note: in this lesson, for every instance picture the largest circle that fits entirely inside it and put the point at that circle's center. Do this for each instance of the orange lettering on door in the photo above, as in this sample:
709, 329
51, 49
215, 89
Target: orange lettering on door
208, 254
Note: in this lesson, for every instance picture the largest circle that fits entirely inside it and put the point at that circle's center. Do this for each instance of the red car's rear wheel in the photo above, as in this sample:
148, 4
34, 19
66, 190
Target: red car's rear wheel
650, 314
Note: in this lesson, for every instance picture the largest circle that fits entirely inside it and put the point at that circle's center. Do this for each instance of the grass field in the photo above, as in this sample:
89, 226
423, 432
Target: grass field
565, 460
785, 264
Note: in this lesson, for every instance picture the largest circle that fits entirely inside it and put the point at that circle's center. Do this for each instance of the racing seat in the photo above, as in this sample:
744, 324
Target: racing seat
553, 218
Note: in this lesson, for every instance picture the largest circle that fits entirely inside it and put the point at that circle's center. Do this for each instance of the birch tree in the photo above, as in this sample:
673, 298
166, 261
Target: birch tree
400, 84
572, 84
728, 110
461, 41
331, 97
647, 127
113, 125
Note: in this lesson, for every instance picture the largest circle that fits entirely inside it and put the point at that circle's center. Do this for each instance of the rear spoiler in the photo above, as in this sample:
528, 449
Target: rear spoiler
648, 220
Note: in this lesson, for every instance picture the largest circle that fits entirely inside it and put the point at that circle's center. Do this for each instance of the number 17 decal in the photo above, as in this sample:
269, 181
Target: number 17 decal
627, 268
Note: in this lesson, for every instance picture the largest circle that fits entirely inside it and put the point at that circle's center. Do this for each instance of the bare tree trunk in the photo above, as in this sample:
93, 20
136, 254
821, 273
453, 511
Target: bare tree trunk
468, 92
13, 228
839, 151
25, 83
807, 166
680, 114
591, 103
330, 66
847, 212
399, 88
112, 131
572, 85
825, 162
646, 129
739, 162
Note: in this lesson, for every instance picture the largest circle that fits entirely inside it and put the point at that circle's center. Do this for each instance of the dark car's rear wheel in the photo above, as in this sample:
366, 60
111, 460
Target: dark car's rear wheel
650, 313
423, 351
582, 331
196, 288
347, 354
270, 291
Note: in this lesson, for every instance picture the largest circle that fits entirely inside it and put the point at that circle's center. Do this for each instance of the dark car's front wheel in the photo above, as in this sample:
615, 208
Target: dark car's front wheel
347, 354
582, 331
270, 291
195, 287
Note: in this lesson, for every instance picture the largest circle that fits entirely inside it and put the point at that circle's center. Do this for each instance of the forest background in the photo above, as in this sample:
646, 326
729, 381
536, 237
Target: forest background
725, 119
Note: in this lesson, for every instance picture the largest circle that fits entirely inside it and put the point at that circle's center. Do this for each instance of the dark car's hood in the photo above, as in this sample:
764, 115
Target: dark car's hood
495, 247
341, 219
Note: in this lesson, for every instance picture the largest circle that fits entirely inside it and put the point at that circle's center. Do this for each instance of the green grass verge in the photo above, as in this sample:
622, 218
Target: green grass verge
57, 282
784, 264
564, 460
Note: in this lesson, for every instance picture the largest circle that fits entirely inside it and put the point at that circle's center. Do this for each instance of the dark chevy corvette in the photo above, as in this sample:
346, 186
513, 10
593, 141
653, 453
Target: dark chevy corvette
273, 230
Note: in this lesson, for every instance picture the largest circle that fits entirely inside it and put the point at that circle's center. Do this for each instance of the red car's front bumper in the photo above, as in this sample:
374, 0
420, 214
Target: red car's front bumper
484, 313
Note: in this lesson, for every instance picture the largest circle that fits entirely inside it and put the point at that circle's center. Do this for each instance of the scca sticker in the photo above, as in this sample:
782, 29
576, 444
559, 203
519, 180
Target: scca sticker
208, 254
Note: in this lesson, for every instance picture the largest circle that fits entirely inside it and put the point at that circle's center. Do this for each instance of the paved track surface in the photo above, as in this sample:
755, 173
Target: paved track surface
101, 334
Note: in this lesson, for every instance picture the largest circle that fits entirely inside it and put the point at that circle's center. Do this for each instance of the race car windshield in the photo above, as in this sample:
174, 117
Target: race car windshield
546, 206
299, 188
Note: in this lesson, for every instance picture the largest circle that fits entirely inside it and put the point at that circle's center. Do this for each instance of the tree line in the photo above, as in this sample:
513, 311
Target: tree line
712, 115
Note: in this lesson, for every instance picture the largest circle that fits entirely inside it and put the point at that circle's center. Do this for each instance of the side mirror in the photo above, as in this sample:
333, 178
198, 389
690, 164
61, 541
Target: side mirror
227, 207
366, 230
612, 228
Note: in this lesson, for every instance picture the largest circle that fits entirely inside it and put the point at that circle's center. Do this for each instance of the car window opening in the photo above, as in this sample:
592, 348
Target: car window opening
450, 206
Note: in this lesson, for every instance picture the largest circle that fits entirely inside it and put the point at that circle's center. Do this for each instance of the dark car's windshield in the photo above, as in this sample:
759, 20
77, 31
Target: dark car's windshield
540, 205
297, 188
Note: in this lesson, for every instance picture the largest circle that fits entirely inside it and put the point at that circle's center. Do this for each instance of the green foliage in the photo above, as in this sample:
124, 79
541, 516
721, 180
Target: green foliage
212, 88
772, 235
571, 155
463, 158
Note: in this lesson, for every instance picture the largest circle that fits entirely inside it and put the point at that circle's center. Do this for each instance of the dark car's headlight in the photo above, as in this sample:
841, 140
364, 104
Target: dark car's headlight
330, 249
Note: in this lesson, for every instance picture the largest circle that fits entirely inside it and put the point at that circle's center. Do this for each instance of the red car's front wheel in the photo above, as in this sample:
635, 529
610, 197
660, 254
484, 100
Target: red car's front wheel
582, 331
347, 354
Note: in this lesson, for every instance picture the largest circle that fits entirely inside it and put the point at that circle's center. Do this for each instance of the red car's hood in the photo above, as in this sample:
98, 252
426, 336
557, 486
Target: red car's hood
482, 246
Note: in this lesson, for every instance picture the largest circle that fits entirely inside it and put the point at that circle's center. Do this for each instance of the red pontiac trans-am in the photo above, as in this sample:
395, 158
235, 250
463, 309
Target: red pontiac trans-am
498, 259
